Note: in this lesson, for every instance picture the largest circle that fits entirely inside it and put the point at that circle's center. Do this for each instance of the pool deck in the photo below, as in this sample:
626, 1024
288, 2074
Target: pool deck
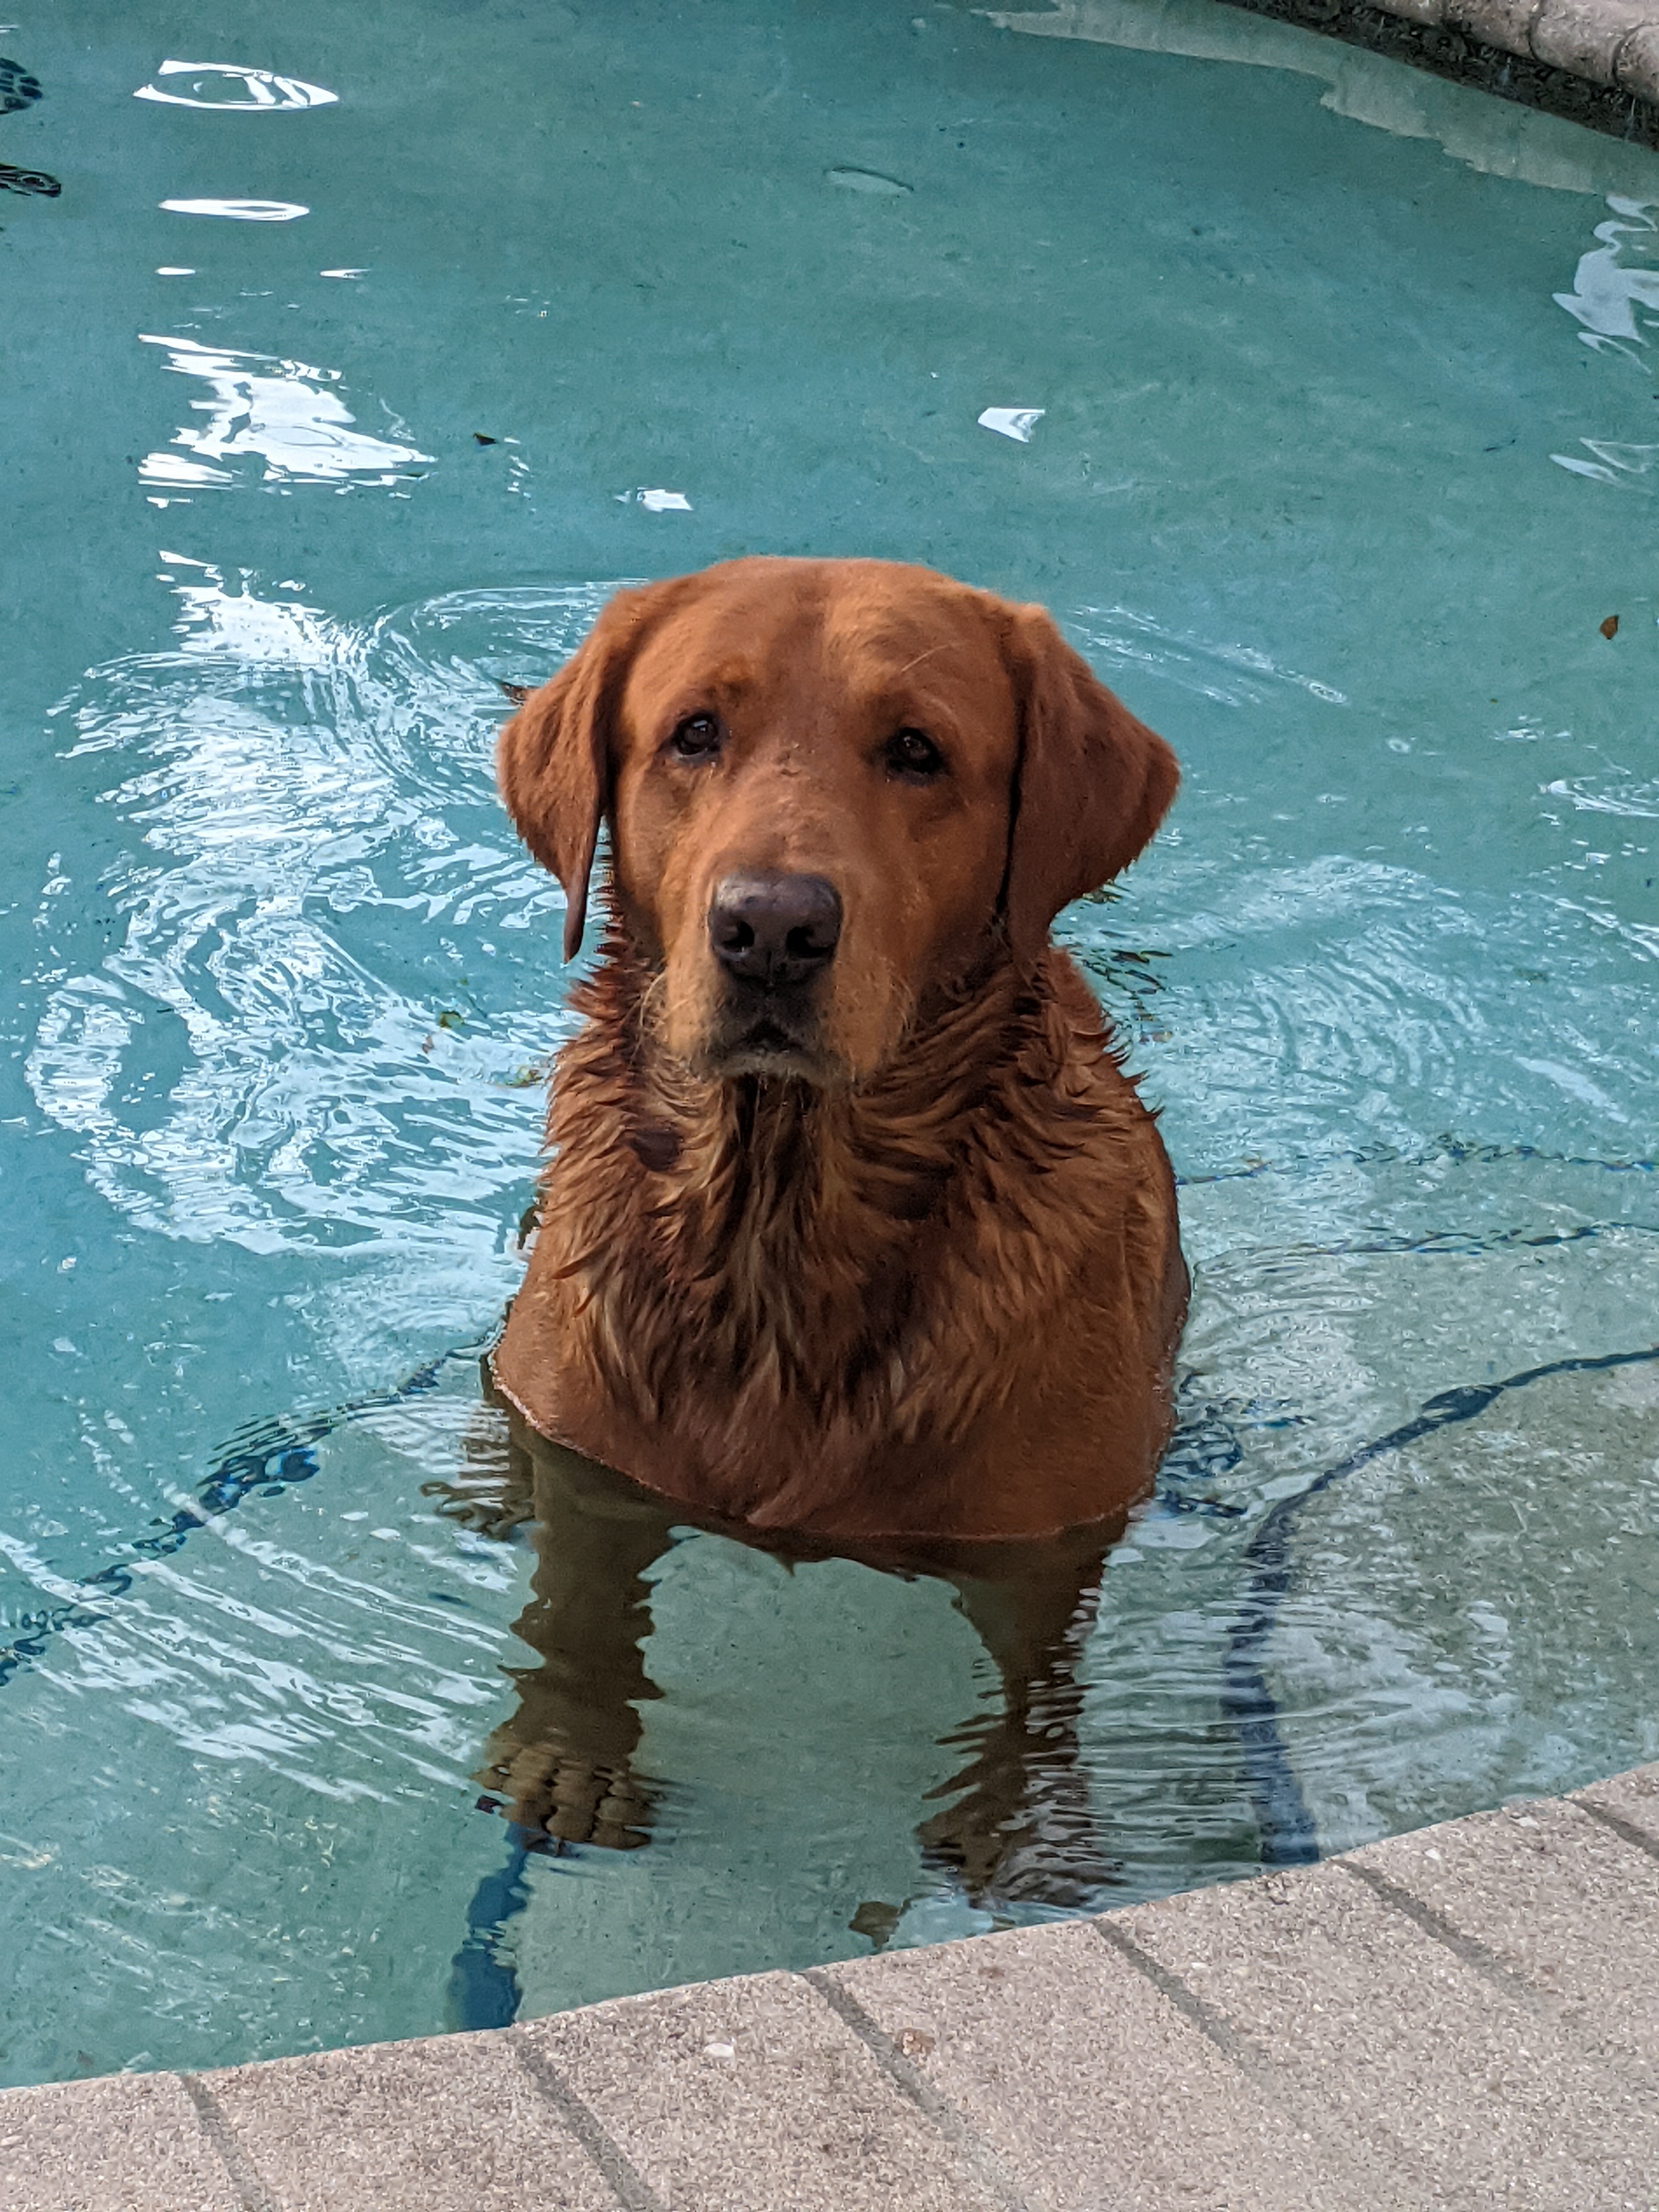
1467, 2016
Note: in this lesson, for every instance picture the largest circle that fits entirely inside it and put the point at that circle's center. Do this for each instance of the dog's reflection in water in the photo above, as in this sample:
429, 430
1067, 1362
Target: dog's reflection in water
1013, 1824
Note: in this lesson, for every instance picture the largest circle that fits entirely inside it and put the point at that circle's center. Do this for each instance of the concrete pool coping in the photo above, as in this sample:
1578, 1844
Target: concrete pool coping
1613, 45
1464, 2015
1594, 62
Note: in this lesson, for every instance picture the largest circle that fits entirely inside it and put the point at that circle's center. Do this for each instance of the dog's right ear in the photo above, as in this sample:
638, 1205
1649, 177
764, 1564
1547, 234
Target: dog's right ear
553, 760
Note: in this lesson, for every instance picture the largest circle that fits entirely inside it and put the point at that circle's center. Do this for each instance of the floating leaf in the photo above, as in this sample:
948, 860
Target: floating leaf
1610, 627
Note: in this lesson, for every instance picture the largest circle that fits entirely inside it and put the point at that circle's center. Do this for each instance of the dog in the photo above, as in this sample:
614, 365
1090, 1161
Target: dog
855, 1232
853, 1225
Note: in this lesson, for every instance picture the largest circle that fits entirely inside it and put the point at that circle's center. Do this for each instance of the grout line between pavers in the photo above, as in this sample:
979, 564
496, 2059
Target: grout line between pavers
987, 2168
628, 2185
1371, 2187
1621, 1827
1246, 2056
1470, 1948
1544, 2003
252, 2191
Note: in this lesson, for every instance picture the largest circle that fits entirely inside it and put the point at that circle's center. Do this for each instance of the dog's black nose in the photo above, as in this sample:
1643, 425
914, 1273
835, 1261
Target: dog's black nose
774, 930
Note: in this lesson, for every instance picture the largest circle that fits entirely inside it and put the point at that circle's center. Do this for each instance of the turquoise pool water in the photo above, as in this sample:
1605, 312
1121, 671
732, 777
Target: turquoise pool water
1346, 453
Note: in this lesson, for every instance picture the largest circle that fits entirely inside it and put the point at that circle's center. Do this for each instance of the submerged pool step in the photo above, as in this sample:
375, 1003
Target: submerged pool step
1469, 2015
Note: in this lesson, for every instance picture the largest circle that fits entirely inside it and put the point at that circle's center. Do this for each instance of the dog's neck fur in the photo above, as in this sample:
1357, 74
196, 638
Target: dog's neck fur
755, 1258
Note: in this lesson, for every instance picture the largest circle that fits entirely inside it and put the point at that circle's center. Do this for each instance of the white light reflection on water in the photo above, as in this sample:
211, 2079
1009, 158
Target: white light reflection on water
1610, 284
284, 414
239, 210
312, 1032
228, 85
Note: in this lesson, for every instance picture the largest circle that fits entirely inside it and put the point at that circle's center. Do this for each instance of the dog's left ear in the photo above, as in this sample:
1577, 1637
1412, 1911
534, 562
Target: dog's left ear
553, 759
1091, 787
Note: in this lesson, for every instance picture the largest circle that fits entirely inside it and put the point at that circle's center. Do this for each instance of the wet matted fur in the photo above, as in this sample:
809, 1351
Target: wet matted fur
887, 1249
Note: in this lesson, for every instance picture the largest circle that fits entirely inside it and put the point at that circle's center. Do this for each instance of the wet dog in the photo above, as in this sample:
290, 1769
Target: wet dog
854, 1225
854, 1233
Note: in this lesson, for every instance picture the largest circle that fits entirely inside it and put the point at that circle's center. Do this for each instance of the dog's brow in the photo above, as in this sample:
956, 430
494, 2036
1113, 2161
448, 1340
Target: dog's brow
917, 662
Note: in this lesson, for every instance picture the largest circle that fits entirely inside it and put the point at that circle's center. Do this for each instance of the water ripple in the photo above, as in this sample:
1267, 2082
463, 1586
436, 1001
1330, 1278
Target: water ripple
335, 973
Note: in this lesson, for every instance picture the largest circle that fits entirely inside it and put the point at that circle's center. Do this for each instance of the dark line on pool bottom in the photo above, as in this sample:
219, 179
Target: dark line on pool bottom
1289, 1834
484, 1987
271, 1456
268, 1456
1462, 1152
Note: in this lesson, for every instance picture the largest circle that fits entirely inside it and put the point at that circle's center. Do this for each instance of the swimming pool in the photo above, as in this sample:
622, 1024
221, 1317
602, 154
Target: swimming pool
325, 413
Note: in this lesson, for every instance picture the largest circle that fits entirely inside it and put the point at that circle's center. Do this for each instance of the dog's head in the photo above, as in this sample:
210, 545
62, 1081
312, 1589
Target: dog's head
833, 787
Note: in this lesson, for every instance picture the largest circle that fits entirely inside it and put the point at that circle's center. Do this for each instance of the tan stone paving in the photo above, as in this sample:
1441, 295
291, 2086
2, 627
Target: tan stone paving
1466, 2017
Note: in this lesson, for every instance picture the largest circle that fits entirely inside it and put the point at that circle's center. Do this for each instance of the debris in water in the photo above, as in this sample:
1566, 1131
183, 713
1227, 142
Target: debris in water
656, 501
1610, 627
1015, 422
485, 441
868, 180
19, 88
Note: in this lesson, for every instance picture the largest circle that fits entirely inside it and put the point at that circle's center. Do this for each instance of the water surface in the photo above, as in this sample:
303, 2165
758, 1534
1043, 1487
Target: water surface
1346, 455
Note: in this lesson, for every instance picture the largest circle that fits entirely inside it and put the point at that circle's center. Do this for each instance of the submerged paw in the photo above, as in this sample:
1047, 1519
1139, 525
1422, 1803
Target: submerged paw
571, 1800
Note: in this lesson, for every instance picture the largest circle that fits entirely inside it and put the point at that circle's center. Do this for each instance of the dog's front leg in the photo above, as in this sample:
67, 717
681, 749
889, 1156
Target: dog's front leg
563, 1761
1019, 1822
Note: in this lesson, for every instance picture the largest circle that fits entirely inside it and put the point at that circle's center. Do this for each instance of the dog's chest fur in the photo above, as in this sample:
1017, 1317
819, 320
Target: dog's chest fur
787, 1303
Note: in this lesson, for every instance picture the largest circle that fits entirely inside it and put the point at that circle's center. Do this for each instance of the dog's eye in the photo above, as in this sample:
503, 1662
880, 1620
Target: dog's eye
912, 753
698, 738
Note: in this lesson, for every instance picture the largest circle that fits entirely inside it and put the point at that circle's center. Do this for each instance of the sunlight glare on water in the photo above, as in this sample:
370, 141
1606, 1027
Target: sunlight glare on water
349, 372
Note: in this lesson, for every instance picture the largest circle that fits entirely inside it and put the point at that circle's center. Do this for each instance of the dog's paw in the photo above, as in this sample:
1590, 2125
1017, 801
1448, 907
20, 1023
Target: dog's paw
572, 1801
876, 1922
1048, 1853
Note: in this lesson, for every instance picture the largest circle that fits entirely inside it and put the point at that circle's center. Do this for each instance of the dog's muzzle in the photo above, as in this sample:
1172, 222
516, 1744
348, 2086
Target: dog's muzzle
773, 938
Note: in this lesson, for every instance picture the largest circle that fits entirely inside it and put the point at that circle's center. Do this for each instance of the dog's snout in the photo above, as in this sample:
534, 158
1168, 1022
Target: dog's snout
774, 929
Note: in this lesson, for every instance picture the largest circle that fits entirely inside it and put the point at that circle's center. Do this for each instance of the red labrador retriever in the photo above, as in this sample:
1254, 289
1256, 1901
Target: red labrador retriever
853, 1226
